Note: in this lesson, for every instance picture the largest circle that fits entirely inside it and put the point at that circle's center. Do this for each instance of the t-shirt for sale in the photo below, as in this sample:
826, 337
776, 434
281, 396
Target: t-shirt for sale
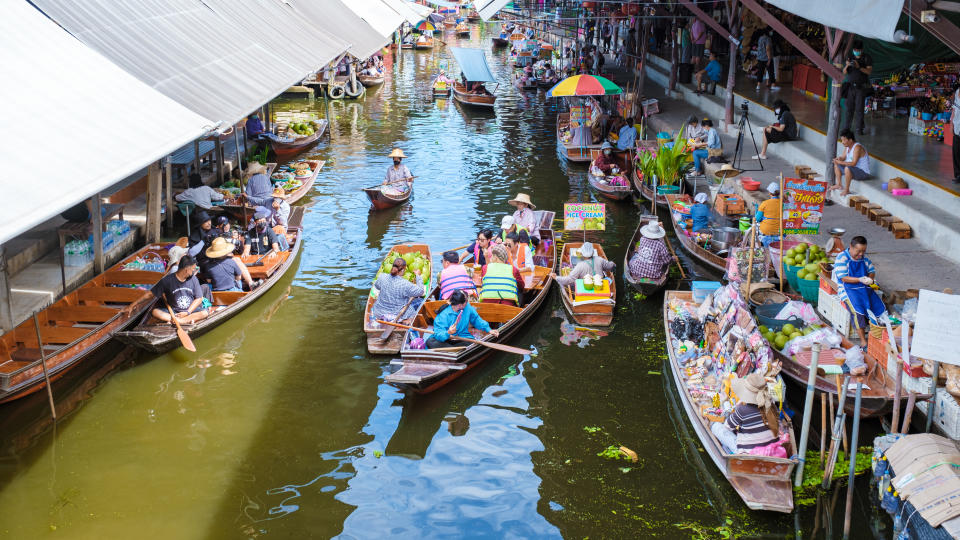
261, 242
223, 273
179, 294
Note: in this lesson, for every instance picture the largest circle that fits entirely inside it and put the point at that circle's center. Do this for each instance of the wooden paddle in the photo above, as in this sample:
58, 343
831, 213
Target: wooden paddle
386, 333
181, 333
679, 266
257, 262
497, 346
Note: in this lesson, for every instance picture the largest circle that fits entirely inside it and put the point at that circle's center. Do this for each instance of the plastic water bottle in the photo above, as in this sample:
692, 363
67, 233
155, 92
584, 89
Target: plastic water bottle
68, 254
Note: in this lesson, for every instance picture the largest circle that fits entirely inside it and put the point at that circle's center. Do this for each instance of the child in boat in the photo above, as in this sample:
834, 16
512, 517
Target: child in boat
455, 319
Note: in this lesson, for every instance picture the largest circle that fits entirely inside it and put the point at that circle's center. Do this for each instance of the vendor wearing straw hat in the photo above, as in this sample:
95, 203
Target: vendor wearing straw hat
768, 216
259, 189
523, 217
651, 256
398, 171
280, 208
753, 422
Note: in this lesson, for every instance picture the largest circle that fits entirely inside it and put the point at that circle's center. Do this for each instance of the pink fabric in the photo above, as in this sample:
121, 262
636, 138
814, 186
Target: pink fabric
774, 449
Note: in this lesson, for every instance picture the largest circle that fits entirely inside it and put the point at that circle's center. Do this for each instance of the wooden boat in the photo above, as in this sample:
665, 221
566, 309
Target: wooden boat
577, 154
425, 370
285, 150
382, 200
392, 344
500, 42
646, 190
440, 90
237, 209
406, 45
591, 312
76, 325
530, 86
707, 257
371, 80
156, 336
645, 286
421, 45
599, 183
878, 389
762, 482
475, 100
463, 31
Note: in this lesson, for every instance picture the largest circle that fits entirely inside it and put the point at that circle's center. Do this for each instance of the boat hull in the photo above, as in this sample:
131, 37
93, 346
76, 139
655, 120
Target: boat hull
371, 81
712, 260
473, 100
646, 191
594, 314
613, 193
240, 211
382, 201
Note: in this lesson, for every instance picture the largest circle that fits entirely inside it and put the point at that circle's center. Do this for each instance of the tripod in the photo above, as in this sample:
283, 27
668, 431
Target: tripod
744, 123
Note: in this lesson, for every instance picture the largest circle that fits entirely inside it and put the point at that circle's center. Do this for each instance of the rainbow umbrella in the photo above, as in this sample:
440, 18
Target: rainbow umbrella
584, 85
425, 26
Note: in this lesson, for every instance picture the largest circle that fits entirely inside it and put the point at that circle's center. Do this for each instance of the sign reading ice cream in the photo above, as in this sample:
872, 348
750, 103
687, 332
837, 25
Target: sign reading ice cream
584, 217
803, 205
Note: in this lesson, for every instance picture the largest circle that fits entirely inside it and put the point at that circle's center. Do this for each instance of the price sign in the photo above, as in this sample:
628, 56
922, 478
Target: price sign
936, 335
584, 216
803, 205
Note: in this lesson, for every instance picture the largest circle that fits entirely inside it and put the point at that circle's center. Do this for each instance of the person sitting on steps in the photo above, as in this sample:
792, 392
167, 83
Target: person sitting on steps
784, 129
855, 163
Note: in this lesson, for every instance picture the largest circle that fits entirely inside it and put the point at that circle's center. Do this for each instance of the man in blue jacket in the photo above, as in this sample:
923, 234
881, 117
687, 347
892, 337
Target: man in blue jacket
455, 320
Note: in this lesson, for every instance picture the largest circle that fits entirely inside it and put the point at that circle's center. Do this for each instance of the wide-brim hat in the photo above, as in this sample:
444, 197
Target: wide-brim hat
397, 153
727, 171
175, 253
605, 145
522, 198
279, 192
218, 248
586, 250
652, 230
254, 167
747, 388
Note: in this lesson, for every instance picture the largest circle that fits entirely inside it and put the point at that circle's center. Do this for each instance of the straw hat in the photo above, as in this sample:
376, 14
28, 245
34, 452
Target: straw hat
586, 250
522, 198
218, 248
279, 192
397, 153
175, 253
183, 242
727, 171
747, 388
254, 167
653, 230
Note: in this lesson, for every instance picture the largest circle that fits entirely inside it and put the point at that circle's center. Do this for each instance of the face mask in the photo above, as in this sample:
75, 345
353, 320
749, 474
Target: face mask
776, 111
261, 227
606, 152
396, 161
856, 54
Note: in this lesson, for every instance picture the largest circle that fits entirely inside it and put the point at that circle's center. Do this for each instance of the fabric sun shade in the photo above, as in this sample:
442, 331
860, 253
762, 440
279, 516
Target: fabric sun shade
192, 53
384, 20
334, 17
584, 85
110, 126
420, 9
489, 8
403, 8
867, 18
473, 64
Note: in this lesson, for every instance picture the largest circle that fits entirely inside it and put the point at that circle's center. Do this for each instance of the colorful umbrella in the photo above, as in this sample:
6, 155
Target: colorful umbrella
584, 85
425, 26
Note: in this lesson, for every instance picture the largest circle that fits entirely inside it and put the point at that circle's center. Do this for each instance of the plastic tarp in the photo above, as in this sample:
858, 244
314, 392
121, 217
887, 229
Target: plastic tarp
191, 53
61, 149
473, 64
383, 19
868, 18
403, 8
489, 8
334, 17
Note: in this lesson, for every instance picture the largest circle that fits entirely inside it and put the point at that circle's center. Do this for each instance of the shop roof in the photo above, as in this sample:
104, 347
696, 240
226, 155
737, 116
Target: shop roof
383, 19
335, 17
489, 8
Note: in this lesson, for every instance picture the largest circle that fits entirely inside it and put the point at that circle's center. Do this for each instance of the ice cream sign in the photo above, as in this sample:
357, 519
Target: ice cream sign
584, 216
803, 205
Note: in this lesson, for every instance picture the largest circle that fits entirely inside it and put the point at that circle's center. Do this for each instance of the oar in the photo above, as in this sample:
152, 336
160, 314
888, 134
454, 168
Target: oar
497, 346
257, 262
459, 248
679, 266
386, 333
402, 180
181, 333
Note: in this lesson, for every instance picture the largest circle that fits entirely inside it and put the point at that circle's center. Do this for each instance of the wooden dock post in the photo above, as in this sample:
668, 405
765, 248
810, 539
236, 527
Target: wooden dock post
97, 220
168, 174
6, 313
154, 197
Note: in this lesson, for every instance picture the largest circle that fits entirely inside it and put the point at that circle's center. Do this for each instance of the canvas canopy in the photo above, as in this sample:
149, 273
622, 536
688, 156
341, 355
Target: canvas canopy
867, 18
473, 64
383, 19
489, 8
402, 7
334, 17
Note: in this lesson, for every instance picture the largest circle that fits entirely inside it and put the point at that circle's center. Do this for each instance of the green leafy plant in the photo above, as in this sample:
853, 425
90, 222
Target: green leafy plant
671, 161
611, 452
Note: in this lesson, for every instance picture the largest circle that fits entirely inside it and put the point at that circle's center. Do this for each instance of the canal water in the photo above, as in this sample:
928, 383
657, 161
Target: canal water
280, 426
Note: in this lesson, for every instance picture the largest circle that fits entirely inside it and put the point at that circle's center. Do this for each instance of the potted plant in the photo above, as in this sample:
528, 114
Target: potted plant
671, 163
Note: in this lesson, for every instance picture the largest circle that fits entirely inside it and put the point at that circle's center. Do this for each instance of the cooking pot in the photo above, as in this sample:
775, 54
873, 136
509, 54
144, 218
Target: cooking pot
726, 235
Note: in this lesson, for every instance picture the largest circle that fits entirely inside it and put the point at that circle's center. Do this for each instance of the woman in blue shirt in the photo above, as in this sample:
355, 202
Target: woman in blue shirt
702, 150
627, 137
700, 212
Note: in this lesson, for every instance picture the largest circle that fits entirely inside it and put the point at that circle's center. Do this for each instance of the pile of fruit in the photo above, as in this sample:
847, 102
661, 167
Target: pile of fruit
808, 257
414, 260
304, 129
779, 339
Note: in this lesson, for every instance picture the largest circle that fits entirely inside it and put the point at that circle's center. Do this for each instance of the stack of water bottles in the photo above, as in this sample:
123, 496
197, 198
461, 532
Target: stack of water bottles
78, 252
150, 262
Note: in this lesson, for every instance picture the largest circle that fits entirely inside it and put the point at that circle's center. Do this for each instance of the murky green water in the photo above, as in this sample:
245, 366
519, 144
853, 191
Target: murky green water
280, 425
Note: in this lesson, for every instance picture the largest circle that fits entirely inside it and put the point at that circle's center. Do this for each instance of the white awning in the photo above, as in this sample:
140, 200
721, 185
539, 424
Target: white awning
77, 123
190, 52
867, 18
420, 9
383, 19
403, 8
334, 17
488, 8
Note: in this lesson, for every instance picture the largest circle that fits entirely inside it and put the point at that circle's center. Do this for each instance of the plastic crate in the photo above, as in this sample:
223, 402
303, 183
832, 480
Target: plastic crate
702, 289
834, 312
877, 342
809, 289
827, 285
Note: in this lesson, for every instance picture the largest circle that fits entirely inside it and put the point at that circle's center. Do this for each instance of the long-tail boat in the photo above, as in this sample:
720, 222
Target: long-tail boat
157, 336
763, 482
425, 370
707, 257
376, 343
384, 196
645, 286
237, 210
474, 100
594, 311
74, 326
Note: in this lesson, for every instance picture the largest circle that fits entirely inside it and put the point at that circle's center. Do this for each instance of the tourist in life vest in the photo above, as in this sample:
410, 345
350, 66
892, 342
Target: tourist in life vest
500, 282
519, 252
454, 277
456, 319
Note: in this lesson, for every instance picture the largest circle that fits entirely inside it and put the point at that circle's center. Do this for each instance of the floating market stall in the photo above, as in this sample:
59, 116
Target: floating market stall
473, 65
574, 138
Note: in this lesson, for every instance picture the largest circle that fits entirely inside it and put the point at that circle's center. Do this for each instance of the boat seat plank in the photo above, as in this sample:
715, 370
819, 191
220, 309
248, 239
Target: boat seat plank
496, 313
94, 314
59, 335
117, 295
131, 277
225, 298
18, 363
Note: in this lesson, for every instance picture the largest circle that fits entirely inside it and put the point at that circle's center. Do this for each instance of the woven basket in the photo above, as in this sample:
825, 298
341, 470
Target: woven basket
896, 183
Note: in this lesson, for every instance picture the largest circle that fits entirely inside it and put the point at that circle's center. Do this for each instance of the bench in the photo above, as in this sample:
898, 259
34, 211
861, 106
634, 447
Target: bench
111, 295
131, 277
87, 314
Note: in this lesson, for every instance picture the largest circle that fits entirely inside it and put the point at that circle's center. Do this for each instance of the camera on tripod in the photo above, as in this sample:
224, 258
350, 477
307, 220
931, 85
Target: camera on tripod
743, 107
